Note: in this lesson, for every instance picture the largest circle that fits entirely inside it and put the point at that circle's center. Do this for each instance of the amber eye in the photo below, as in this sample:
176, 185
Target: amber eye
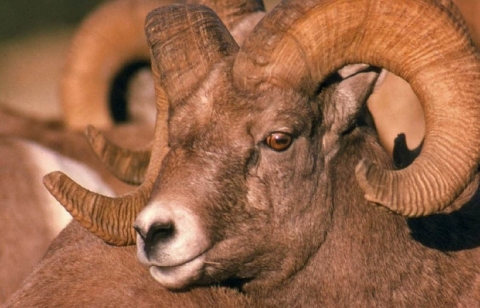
279, 141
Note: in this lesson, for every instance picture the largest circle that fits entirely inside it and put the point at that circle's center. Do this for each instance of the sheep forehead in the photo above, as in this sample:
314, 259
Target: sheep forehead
218, 114
219, 134
211, 111
236, 121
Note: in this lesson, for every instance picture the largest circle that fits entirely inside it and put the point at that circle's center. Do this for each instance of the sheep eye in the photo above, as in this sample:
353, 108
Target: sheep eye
279, 141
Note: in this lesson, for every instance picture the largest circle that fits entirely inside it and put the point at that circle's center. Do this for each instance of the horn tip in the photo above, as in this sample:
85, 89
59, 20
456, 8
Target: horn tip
91, 132
51, 180
364, 172
55, 183
95, 138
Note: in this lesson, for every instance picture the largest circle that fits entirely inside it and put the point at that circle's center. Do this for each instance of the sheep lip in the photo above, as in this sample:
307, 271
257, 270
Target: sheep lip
183, 263
180, 275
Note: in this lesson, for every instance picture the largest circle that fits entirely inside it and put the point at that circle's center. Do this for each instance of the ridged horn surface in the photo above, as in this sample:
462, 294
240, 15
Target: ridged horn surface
186, 41
110, 37
130, 166
298, 44
85, 206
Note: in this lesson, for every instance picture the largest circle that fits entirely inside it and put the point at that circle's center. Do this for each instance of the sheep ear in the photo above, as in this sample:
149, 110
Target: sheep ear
345, 95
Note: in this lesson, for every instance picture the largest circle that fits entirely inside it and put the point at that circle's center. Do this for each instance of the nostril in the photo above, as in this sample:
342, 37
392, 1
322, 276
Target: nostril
140, 232
158, 234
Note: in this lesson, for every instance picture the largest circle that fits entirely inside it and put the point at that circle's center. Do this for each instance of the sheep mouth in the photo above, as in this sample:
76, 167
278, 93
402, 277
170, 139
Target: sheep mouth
179, 276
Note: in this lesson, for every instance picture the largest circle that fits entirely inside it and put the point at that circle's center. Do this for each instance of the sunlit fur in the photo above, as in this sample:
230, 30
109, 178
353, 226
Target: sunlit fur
30, 217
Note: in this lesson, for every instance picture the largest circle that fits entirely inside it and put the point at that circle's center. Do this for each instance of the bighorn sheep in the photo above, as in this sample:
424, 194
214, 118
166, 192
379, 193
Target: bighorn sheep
85, 89
30, 217
271, 173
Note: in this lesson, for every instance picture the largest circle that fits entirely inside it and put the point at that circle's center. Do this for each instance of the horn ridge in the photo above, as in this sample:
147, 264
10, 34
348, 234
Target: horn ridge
169, 29
116, 216
130, 166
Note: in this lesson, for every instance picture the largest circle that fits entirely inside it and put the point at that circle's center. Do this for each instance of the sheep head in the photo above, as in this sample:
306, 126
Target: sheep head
229, 187
252, 131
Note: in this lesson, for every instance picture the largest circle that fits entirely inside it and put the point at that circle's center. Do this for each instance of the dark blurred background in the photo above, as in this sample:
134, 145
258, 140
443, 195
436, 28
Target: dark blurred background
23, 17
34, 40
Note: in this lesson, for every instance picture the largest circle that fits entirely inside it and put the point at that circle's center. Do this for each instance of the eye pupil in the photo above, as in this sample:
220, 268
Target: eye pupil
279, 141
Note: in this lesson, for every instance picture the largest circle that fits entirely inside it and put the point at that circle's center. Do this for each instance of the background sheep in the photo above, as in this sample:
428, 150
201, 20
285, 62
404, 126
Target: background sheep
30, 217
53, 147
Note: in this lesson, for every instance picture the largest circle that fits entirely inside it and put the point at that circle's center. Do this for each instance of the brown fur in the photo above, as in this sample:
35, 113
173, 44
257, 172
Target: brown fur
19, 253
123, 283
374, 258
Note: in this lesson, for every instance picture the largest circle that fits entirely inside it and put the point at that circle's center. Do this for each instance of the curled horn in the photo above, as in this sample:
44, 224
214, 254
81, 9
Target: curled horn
130, 166
111, 219
107, 40
85, 206
239, 16
167, 28
296, 46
